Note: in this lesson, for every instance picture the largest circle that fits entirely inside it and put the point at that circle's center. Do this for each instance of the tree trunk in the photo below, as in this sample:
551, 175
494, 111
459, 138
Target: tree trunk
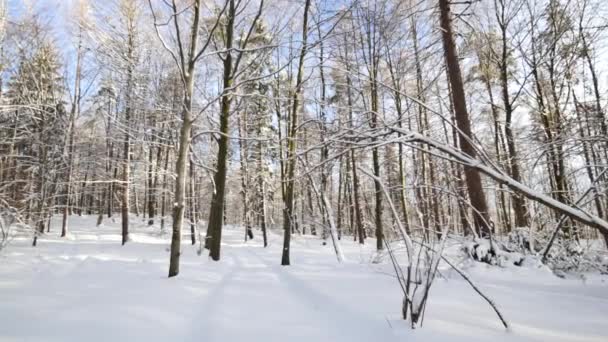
244, 155
216, 212
473, 179
180, 185
519, 204
355, 180
184, 146
163, 200
127, 142
288, 211
152, 176
72, 128
192, 202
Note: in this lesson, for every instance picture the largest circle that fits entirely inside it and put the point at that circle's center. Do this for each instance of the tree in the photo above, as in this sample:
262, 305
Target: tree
74, 112
291, 159
504, 19
231, 61
36, 132
130, 12
473, 180
185, 59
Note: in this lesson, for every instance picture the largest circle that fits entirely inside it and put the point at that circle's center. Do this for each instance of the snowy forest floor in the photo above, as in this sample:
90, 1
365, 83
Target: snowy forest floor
90, 288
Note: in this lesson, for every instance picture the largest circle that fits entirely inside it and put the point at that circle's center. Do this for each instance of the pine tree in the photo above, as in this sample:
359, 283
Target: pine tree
37, 130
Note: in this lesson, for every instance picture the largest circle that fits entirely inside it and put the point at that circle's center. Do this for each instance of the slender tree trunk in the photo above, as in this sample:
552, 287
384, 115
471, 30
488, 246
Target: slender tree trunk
163, 200
42, 190
153, 187
325, 170
288, 211
356, 185
125, 186
244, 153
151, 175
519, 203
72, 128
192, 202
263, 214
184, 145
500, 152
125, 178
376, 164
127, 124
341, 196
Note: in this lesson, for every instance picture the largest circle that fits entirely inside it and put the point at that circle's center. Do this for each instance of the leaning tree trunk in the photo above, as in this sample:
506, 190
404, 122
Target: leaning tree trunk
473, 179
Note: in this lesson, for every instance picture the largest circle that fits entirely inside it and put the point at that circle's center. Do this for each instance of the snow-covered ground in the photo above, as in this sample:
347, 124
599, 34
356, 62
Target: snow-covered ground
90, 288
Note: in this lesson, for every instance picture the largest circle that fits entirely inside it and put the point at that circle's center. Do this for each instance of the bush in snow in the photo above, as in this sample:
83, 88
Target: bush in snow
567, 255
525, 241
528, 248
492, 253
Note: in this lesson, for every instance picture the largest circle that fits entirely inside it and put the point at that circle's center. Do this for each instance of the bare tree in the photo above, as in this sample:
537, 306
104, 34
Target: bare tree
185, 58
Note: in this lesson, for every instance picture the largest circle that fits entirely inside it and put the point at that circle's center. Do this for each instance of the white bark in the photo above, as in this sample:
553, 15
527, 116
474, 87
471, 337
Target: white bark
332, 229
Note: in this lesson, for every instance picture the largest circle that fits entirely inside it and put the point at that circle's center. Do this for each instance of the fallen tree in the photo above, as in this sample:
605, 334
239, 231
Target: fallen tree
500, 176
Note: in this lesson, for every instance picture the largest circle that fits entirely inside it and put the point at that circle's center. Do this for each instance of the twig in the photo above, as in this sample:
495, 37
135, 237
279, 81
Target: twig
468, 280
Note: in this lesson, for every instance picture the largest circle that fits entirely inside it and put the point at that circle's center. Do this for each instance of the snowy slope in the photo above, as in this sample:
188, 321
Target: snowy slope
89, 288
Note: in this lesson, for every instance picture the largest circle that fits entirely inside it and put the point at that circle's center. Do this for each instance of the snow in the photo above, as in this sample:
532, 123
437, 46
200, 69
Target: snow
90, 288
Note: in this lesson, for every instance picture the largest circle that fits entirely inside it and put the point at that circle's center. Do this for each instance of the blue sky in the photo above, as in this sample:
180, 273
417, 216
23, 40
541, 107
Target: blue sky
51, 7
51, 12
